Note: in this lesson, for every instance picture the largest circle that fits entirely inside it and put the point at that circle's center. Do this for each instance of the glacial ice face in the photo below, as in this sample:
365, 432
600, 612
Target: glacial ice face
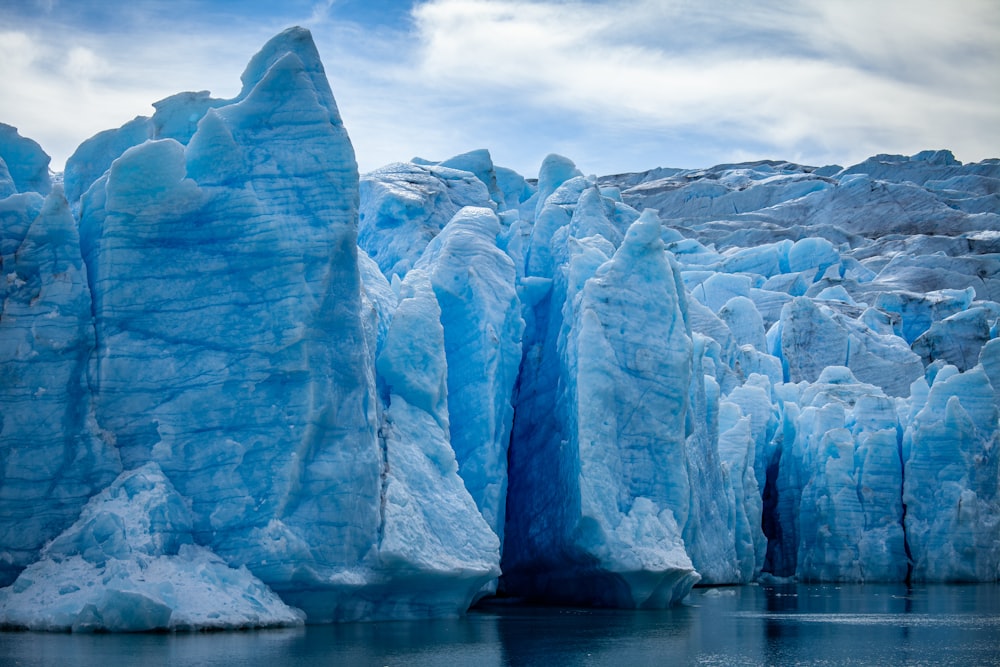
53, 455
836, 292
474, 282
783, 370
598, 492
833, 338
709, 533
839, 481
627, 407
175, 342
958, 339
737, 453
480, 163
951, 448
252, 388
94, 156
432, 531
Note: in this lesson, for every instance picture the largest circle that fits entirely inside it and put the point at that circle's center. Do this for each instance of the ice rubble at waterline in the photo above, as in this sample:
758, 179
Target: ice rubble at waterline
243, 386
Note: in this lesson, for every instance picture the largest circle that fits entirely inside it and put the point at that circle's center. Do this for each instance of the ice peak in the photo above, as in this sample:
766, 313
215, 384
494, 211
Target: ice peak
297, 41
26, 162
555, 171
645, 232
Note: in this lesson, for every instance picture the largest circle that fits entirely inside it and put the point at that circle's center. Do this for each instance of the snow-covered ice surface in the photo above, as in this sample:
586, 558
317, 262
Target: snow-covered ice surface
242, 385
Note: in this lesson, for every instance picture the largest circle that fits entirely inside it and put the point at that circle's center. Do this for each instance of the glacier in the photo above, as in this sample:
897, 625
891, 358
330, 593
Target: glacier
243, 385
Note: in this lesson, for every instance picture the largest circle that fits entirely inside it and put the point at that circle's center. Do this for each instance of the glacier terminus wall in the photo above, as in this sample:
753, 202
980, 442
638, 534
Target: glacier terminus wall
243, 385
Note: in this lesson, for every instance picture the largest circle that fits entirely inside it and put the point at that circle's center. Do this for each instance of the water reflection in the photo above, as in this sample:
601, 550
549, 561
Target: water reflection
559, 637
766, 624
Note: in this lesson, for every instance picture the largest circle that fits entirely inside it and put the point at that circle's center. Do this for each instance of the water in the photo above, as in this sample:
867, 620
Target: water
752, 625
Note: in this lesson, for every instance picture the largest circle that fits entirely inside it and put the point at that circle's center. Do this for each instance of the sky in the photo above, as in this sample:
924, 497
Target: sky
616, 85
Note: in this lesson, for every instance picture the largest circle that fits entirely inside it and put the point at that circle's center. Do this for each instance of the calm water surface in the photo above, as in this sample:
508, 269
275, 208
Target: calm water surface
752, 625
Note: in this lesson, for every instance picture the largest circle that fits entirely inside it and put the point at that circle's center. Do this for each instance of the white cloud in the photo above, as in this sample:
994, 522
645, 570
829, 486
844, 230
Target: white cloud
64, 81
321, 11
614, 84
84, 66
846, 77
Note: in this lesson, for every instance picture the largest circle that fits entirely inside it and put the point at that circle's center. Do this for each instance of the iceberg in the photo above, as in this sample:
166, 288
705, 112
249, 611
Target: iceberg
243, 385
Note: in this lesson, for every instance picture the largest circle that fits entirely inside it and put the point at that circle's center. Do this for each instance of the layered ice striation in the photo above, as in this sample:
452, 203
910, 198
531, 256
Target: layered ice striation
205, 312
839, 481
244, 386
474, 284
599, 489
53, 456
433, 538
951, 448
251, 387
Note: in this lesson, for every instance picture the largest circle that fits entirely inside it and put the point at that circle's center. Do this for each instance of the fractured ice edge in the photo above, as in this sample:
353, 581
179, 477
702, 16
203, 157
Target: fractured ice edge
241, 386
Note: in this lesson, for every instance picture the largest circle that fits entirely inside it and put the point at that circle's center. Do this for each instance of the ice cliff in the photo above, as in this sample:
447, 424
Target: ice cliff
205, 313
242, 385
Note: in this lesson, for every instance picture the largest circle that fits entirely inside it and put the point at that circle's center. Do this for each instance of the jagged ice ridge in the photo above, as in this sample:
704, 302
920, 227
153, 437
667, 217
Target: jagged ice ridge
242, 385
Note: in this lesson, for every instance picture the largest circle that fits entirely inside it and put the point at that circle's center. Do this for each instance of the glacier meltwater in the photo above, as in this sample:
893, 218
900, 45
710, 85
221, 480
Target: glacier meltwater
243, 385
